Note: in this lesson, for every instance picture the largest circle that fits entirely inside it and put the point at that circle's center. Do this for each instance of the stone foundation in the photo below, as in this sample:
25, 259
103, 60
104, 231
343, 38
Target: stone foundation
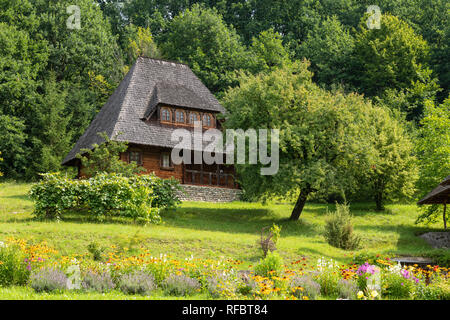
209, 194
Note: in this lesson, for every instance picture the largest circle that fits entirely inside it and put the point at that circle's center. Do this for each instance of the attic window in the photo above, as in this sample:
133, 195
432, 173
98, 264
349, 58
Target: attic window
165, 115
180, 116
194, 116
207, 120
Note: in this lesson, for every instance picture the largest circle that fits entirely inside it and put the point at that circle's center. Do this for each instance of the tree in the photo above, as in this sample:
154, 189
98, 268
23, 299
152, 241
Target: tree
141, 44
268, 52
318, 136
433, 150
328, 46
392, 57
200, 38
105, 158
13, 147
393, 169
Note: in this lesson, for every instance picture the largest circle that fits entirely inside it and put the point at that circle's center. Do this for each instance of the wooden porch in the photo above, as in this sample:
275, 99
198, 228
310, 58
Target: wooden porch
210, 175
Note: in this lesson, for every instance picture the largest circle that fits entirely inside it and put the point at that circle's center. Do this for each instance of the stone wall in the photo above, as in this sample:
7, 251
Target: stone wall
209, 194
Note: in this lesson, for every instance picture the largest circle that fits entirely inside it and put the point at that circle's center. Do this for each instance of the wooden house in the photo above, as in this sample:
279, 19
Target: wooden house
155, 98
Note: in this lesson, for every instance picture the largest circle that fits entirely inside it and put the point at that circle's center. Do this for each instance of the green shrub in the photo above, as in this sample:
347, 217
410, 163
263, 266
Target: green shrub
14, 269
96, 251
438, 289
339, 229
395, 286
270, 266
104, 195
328, 276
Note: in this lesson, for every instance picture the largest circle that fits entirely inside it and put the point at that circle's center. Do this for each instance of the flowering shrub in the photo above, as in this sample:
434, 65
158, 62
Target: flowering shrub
48, 279
328, 276
100, 196
398, 283
100, 282
180, 285
305, 286
137, 282
14, 267
368, 277
271, 265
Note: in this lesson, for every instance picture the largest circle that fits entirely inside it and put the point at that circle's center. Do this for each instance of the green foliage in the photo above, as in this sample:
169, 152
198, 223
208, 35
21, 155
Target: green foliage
13, 147
200, 38
339, 229
48, 280
270, 266
105, 158
395, 286
101, 196
142, 44
433, 150
328, 46
392, 57
268, 52
13, 267
438, 289
96, 251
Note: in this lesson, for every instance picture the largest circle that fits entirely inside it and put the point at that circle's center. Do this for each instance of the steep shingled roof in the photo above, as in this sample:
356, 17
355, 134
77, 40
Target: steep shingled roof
149, 82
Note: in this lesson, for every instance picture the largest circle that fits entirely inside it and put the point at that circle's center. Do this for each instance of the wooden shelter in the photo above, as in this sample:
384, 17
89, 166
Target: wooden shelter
439, 195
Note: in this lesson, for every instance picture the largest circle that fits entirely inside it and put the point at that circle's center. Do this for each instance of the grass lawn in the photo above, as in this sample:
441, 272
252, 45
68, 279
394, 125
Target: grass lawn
209, 230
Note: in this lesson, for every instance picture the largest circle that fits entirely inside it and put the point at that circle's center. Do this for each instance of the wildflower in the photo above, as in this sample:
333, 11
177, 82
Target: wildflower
374, 294
360, 295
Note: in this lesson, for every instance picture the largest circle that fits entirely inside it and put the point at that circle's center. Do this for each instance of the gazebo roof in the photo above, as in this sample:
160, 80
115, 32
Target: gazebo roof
440, 194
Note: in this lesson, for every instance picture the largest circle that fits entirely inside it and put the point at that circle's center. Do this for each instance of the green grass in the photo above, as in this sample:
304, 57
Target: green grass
210, 230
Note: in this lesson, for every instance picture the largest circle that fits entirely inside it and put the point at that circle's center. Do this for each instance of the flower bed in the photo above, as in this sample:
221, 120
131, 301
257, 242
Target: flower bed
142, 273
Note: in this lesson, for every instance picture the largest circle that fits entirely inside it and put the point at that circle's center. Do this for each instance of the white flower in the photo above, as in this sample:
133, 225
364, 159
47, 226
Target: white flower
2, 244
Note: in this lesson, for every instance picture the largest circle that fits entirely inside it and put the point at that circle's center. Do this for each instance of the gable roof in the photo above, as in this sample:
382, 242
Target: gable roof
148, 83
440, 194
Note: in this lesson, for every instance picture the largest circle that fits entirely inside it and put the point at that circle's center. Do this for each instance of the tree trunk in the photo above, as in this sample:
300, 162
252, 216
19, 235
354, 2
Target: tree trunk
299, 204
443, 216
379, 201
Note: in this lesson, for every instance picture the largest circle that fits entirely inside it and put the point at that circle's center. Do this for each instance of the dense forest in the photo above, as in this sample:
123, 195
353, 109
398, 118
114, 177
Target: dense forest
54, 78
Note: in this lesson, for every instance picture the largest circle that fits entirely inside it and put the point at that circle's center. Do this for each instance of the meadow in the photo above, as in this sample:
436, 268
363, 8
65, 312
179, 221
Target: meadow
212, 231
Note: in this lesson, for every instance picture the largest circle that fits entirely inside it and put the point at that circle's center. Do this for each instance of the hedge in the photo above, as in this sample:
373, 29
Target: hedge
137, 197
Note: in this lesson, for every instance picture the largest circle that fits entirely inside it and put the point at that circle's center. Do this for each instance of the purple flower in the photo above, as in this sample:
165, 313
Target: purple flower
29, 267
406, 274
366, 268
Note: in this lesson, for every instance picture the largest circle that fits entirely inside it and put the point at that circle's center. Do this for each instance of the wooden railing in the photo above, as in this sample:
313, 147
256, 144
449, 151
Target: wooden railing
209, 178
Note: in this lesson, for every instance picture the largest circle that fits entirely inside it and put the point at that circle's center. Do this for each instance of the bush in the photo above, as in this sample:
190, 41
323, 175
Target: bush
96, 251
180, 285
328, 276
269, 242
305, 286
347, 289
97, 282
48, 279
246, 285
395, 286
270, 266
339, 229
137, 197
14, 269
439, 289
137, 282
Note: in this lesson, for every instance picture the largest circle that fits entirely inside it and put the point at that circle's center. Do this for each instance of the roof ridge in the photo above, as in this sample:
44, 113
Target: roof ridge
163, 60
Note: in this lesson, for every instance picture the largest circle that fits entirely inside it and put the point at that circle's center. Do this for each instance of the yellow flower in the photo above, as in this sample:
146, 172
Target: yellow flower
374, 294
305, 298
360, 295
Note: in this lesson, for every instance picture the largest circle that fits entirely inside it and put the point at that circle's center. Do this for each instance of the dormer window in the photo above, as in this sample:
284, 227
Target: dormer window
194, 116
166, 115
207, 120
180, 116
